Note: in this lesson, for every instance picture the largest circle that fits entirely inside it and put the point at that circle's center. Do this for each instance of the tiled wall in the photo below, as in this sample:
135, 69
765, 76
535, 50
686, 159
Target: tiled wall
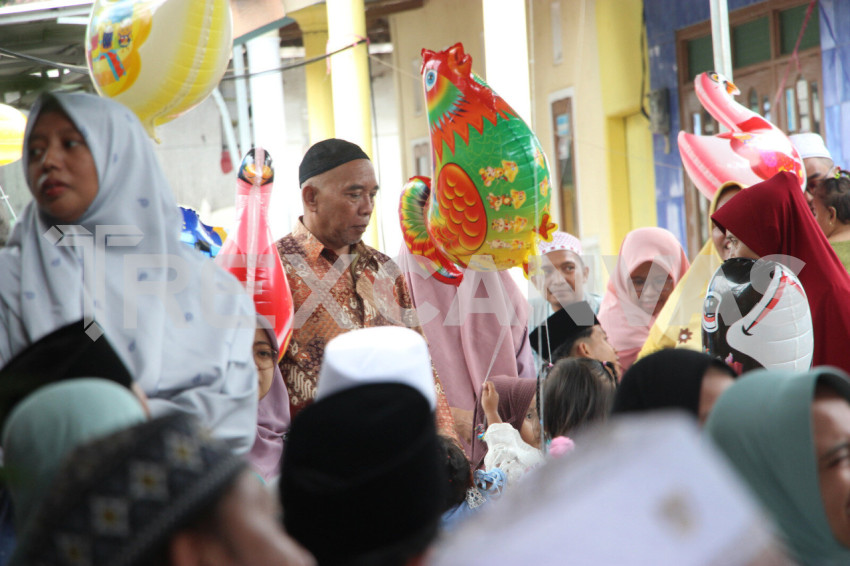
835, 57
663, 18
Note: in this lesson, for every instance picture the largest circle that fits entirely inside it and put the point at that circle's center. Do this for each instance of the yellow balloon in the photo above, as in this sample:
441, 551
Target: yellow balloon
160, 58
12, 126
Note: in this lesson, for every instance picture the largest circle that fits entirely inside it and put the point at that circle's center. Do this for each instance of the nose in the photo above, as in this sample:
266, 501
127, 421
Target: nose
49, 157
367, 204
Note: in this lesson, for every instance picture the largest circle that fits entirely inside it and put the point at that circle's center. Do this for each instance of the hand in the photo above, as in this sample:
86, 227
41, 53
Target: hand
463, 424
490, 403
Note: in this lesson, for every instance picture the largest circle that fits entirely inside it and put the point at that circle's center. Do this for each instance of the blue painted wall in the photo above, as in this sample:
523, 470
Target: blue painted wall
663, 18
835, 60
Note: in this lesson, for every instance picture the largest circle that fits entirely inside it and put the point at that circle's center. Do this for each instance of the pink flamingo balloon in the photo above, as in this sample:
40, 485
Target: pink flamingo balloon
752, 151
249, 251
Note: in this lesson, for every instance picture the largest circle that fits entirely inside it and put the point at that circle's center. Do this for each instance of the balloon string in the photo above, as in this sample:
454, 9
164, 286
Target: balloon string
5, 197
71, 68
303, 63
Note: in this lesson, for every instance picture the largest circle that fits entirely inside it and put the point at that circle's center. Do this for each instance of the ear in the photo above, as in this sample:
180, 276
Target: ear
586, 273
832, 214
309, 196
582, 350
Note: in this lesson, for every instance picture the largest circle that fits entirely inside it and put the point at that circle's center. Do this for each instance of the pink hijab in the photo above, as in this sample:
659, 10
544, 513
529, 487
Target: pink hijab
626, 324
477, 329
272, 424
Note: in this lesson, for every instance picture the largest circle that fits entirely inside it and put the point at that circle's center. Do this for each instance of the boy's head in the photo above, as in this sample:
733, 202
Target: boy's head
374, 486
458, 471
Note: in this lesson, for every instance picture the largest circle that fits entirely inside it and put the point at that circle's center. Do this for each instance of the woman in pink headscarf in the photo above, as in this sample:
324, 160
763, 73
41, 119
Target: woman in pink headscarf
650, 263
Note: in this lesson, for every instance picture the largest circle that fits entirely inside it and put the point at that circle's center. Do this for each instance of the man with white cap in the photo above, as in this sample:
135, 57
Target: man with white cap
563, 278
362, 481
816, 159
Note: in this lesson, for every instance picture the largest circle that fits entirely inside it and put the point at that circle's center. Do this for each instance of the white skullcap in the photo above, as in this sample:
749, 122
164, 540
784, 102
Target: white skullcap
383, 354
809, 145
561, 241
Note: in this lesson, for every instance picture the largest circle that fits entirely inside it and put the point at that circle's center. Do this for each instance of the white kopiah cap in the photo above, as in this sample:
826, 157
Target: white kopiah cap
383, 354
810, 145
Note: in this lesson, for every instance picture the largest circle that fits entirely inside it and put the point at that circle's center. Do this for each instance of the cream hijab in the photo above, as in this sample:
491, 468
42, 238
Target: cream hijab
182, 325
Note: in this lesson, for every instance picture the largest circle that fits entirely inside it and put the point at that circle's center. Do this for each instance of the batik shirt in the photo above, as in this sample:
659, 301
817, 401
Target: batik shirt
334, 294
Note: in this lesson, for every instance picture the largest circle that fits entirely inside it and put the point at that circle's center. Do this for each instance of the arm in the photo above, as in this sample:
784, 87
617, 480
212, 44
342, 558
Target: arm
224, 397
490, 403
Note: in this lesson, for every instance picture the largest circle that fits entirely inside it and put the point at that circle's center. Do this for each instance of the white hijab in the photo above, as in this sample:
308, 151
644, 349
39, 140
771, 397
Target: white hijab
182, 325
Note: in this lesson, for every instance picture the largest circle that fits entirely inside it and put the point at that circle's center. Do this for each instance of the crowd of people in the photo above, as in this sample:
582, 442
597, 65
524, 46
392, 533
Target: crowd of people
149, 416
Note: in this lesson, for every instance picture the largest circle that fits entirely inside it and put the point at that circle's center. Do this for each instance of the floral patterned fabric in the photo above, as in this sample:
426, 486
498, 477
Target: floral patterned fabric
334, 294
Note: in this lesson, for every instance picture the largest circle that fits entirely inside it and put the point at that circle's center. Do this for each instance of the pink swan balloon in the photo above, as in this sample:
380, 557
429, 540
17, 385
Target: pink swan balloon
752, 151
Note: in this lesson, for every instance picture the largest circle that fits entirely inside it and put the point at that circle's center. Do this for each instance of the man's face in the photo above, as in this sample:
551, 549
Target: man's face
831, 431
816, 169
564, 276
249, 531
339, 203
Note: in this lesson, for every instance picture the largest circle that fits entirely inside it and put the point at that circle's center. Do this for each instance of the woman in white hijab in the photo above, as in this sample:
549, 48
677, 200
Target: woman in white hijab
100, 244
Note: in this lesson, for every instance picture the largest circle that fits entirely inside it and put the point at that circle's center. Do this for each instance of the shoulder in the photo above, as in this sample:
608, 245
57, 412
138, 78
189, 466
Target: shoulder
289, 244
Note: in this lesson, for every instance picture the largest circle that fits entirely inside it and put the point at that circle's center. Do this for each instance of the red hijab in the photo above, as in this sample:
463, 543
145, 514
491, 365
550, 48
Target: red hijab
773, 217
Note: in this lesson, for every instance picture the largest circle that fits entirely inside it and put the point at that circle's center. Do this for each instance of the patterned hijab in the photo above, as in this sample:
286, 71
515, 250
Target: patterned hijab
182, 325
763, 423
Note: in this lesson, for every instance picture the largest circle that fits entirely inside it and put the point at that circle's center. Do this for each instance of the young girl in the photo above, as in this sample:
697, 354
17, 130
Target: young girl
511, 439
578, 392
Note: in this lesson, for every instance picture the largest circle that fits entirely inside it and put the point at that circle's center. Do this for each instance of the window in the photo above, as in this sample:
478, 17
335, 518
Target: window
763, 38
565, 160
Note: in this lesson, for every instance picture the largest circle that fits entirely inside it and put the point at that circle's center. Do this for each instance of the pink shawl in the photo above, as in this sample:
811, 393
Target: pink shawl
477, 329
626, 324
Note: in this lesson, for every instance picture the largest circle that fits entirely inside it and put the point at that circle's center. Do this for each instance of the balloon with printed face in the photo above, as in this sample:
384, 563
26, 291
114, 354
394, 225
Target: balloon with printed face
160, 58
752, 151
756, 314
249, 252
487, 202
12, 126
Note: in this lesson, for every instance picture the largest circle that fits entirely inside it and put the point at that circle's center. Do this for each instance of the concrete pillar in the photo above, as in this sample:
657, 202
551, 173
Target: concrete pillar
313, 22
269, 130
350, 84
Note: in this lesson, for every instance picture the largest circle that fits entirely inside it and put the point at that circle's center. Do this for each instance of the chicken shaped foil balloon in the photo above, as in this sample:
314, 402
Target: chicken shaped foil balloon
249, 252
752, 151
487, 202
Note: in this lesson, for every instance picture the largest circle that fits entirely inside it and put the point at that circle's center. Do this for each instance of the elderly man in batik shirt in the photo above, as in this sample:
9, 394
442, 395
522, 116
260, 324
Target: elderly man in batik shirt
339, 283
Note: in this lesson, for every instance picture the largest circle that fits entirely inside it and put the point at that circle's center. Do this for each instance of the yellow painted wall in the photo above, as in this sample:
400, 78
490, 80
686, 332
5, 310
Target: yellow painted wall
579, 71
629, 170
